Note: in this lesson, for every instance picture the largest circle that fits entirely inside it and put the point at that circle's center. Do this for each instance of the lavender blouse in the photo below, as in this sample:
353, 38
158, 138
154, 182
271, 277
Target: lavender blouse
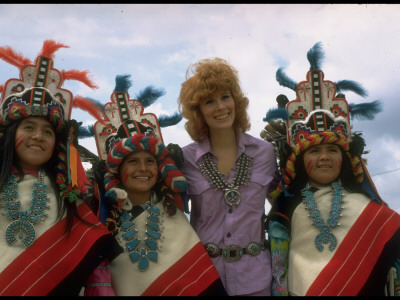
214, 223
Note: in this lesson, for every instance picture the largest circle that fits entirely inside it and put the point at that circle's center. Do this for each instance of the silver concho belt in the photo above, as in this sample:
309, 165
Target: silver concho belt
232, 253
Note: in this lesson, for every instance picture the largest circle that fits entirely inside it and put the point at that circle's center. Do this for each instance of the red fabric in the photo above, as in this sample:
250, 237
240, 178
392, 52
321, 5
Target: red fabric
54, 255
189, 276
356, 256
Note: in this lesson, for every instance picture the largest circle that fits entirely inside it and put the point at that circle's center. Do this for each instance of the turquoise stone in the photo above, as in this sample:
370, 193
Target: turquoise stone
134, 256
132, 245
153, 218
152, 255
151, 244
153, 234
125, 218
143, 263
154, 210
127, 225
129, 235
153, 226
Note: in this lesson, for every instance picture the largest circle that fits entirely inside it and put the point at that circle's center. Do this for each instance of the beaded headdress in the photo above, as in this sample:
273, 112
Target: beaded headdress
127, 129
38, 93
317, 116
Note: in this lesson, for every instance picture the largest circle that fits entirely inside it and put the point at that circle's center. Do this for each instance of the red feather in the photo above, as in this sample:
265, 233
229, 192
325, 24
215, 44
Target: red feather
82, 76
1, 89
50, 47
95, 109
14, 58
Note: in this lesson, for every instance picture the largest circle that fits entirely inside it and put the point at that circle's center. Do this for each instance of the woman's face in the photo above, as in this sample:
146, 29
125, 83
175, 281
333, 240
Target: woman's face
139, 172
218, 111
323, 164
34, 142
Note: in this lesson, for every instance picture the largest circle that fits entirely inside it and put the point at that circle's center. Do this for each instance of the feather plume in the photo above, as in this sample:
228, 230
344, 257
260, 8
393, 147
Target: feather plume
365, 111
284, 80
149, 95
93, 107
1, 89
315, 56
276, 113
50, 47
82, 76
165, 121
122, 83
14, 58
350, 85
86, 131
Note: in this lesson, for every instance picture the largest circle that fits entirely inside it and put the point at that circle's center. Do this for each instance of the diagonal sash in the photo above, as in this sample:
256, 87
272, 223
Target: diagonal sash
53, 256
189, 276
350, 267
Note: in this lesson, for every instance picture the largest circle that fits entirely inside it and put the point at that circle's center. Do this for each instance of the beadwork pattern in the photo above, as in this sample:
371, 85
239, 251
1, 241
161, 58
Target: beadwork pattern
23, 222
325, 236
217, 181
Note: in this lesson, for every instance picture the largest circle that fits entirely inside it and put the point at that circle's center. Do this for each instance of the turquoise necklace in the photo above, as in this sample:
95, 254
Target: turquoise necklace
325, 236
142, 251
22, 225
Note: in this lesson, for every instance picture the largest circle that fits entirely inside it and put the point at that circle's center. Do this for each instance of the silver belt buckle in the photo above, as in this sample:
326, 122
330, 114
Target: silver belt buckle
232, 253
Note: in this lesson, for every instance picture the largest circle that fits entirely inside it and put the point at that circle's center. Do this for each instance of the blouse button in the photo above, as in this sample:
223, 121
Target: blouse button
229, 235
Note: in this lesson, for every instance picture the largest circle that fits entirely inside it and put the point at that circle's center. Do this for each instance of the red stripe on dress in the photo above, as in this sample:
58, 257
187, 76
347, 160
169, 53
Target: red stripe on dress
351, 265
51, 258
189, 276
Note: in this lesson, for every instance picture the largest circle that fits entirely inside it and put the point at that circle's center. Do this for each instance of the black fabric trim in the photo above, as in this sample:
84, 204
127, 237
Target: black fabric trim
105, 247
215, 289
375, 284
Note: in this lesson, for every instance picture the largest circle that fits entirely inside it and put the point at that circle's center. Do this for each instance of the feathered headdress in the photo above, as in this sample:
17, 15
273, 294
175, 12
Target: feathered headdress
38, 92
317, 116
127, 129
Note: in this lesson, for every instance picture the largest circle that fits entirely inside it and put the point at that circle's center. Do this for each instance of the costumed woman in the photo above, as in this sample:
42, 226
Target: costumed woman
230, 175
330, 232
50, 241
143, 207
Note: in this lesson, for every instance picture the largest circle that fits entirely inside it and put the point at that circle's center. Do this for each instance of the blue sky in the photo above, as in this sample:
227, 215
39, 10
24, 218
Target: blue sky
155, 43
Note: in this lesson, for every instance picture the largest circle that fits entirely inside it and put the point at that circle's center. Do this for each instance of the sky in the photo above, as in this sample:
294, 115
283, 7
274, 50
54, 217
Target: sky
156, 43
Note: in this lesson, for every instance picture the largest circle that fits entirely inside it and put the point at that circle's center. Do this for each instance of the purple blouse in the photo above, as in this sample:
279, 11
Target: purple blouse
214, 223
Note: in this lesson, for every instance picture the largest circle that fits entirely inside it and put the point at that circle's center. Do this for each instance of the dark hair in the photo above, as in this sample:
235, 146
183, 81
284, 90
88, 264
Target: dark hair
346, 176
9, 159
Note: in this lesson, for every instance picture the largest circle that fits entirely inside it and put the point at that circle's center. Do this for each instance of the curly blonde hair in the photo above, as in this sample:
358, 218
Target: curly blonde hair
210, 76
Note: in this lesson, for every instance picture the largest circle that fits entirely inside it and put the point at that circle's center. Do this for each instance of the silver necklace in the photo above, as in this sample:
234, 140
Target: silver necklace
22, 225
217, 181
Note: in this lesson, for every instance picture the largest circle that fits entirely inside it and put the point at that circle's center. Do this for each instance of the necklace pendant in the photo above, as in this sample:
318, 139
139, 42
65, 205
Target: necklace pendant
21, 229
232, 196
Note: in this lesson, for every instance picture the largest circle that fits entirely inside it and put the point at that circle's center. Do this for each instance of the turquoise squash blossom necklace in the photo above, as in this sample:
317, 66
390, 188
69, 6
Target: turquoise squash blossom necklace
217, 181
22, 225
142, 251
325, 236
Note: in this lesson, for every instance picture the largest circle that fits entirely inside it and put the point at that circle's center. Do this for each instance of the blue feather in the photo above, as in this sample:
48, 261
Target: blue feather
315, 56
350, 85
284, 80
165, 121
365, 111
149, 95
122, 83
276, 113
86, 131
